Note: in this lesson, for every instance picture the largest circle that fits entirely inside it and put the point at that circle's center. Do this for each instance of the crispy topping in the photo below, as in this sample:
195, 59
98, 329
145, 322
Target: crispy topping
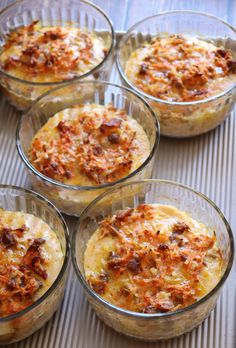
8, 239
34, 260
179, 68
114, 138
8, 236
153, 270
110, 126
18, 279
99, 284
231, 65
62, 53
143, 69
134, 265
99, 146
180, 227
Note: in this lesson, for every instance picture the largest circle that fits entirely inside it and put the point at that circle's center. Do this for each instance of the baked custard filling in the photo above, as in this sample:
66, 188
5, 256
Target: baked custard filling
181, 68
152, 259
51, 54
30, 260
89, 145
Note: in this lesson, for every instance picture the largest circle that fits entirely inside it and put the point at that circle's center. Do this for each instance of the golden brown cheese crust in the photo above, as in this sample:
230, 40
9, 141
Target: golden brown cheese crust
89, 144
149, 259
26, 269
182, 69
50, 54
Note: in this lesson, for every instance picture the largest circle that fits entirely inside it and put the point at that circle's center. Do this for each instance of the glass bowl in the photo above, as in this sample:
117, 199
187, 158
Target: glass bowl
66, 13
73, 199
182, 119
152, 327
17, 326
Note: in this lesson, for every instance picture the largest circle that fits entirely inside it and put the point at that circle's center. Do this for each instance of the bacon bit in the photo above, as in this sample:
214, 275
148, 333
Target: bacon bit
51, 170
99, 287
111, 125
180, 227
8, 239
103, 276
221, 52
143, 69
165, 306
180, 243
64, 128
30, 51
177, 83
134, 265
115, 261
33, 258
99, 284
163, 247
125, 292
97, 150
114, 138
183, 257
123, 214
231, 65
149, 309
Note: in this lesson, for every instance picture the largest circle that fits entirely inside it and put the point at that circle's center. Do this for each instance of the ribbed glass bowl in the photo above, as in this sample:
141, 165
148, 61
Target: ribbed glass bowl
182, 119
66, 13
73, 199
152, 327
17, 326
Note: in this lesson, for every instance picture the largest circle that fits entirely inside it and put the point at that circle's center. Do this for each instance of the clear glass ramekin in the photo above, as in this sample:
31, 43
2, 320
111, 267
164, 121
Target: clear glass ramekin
152, 327
17, 326
182, 119
73, 199
66, 13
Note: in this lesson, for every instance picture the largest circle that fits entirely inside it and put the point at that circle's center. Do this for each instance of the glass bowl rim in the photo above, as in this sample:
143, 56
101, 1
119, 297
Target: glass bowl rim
149, 96
43, 177
76, 78
147, 316
66, 256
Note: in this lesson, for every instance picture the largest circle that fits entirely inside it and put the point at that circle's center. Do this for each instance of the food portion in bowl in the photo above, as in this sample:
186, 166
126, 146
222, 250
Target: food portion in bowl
176, 70
46, 44
89, 145
31, 259
179, 68
153, 258
37, 53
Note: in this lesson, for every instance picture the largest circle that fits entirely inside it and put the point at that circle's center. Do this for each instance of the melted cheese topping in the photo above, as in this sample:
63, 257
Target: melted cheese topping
30, 260
51, 54
89, 145
182, 69
153, 258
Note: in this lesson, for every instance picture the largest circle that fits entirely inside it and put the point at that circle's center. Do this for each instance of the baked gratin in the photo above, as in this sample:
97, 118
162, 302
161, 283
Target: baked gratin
51, 54
152, 259
89, 145
30, 260
179, 68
